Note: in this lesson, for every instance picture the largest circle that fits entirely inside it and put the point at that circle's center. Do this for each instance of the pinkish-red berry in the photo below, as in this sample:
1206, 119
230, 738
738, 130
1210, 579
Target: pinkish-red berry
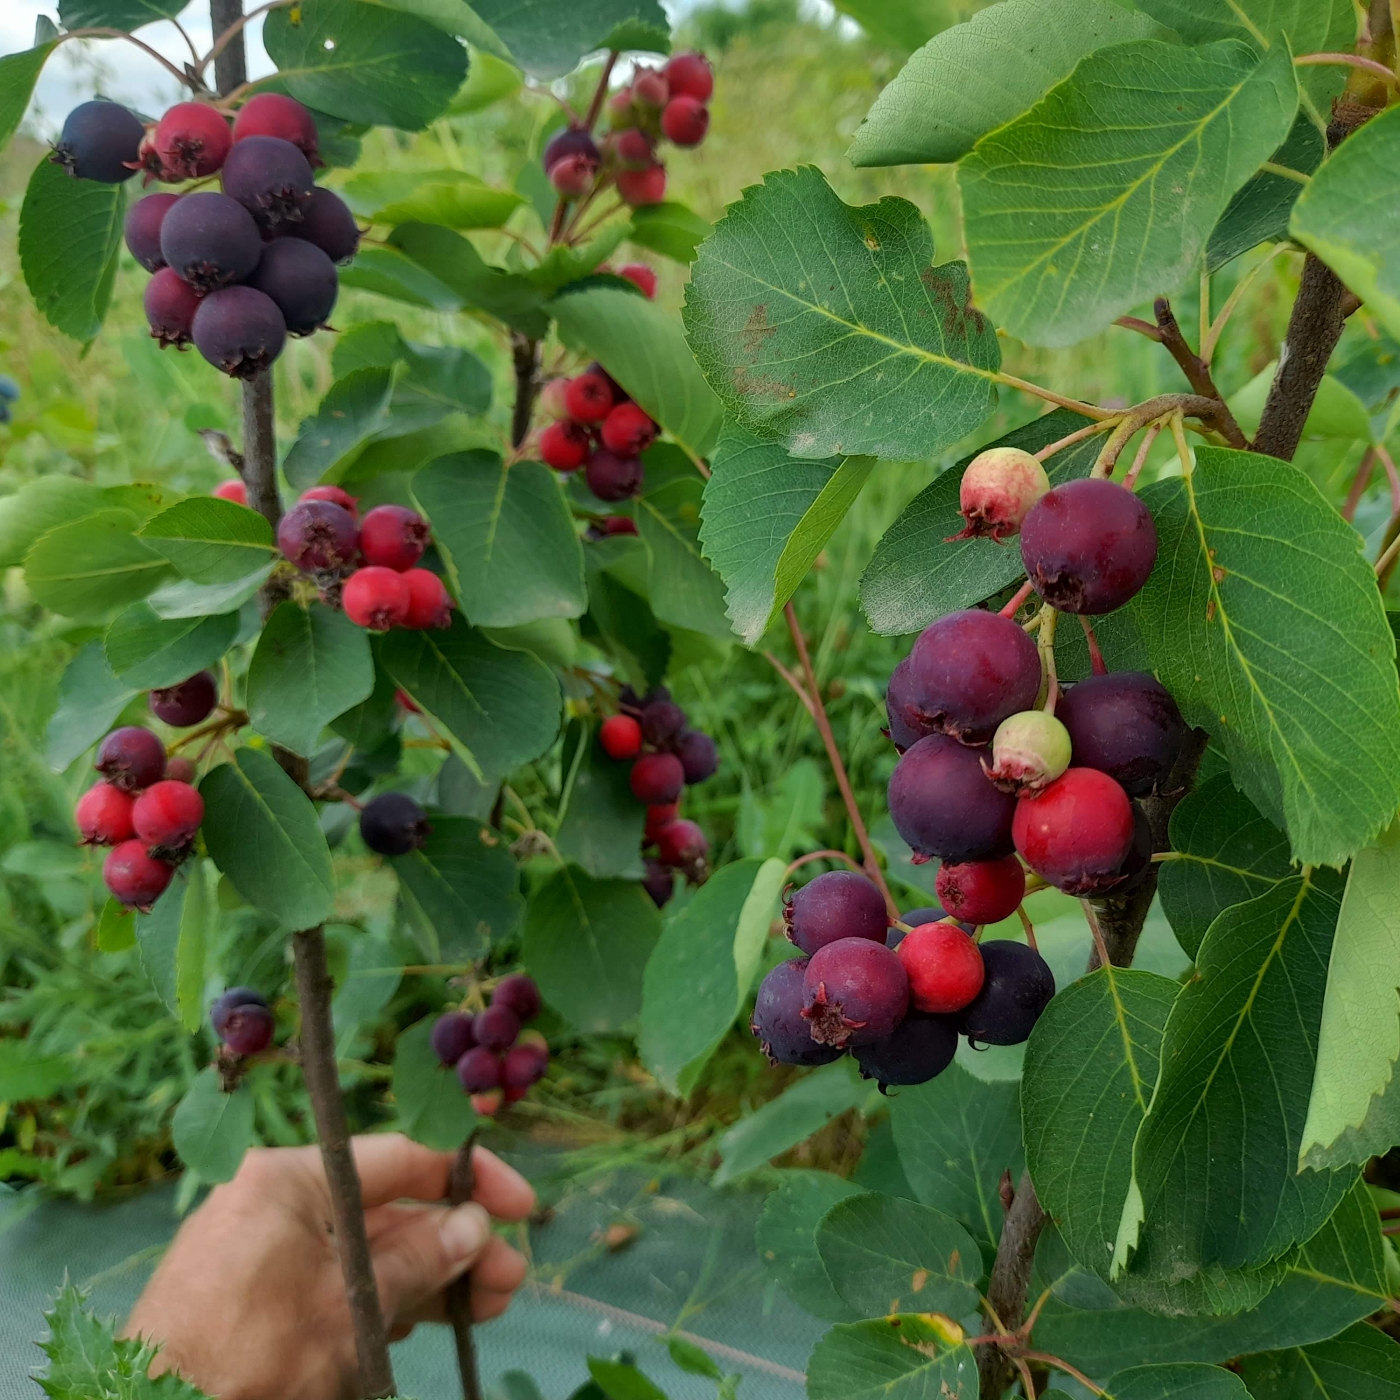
588, 397
620, 736
393, 537
658, 815
564, 445
180, 769
628, 430
429, 604
634, 149
854, 992
103, 816
1077, 833
496, 1027
619, 525
234, 491
376, 597
681, 844
981, 891
317, 535
134, 877
573, 176
685, 121
650, 89
657, 778
944, 967
274, 114
523, 1067
640, 276
690, 74
168, 814
131, 758
170, 304
192, 140
337, 495
641, 187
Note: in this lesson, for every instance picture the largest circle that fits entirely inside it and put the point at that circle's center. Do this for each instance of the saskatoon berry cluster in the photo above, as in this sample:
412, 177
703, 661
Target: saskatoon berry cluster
668, 103
497, 1062
666, 756
597, 427
896, 996
371, 565
243, 1020
235, 272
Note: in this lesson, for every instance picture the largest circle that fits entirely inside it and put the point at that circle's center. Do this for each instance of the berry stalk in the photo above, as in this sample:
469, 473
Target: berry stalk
459, 1294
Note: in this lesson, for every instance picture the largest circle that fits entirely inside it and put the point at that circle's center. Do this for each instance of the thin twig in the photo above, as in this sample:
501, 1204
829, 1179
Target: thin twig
1348, 60
1144, 447
1136, 323
1013, 603
1197, 372
459, 1293
822, 855
1359, 483
1028, 927
1060, 1364
1045, 643
600, 92
796, 685
99, 32
1038, 391
1049, 451
1387, 559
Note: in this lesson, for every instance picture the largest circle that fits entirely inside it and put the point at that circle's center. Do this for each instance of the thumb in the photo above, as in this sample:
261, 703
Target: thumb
425, 1252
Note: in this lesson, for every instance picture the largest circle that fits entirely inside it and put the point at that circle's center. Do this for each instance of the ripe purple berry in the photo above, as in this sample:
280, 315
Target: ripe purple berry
907, 723
100, 141
853, 992
613, 478
571, 141
659, 883
970, 670
698, 755
185, 704
920, 1048
302, 281
317, 535
479, 1070
242, 1020
520, 993
327, 222
662, 720
142, 229
496, 1027
394, 824
210, 240
657, 778
524, 1066
170, 304
240, 331
131, 758
271, 179
839, 904
1125, 724
778, 1023
1016, 988
944, 805
1088, 546
452, 1036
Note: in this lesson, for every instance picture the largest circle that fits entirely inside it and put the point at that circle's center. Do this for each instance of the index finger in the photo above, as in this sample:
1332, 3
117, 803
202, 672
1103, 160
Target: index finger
393, 1167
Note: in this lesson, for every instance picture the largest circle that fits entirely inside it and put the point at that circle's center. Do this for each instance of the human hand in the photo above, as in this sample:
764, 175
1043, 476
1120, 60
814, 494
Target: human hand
249, 1302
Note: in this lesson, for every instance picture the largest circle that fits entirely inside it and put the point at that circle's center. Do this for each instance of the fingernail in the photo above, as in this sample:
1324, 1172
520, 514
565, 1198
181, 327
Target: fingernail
464, 1231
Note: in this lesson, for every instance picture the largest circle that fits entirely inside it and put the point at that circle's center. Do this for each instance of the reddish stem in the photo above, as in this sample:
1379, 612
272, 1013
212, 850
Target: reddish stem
1359, 483
1096, 662
1020, 596
822, 855
600, 93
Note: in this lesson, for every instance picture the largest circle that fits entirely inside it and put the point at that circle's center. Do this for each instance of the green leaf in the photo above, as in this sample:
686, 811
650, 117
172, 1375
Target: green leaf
500, 707
447, 378
70, 233
263, 833
353, 410
1225, 854
364, 62
507, 537
452, 198
211, 1129
621, 1380
454, 262
562, 264
391, 274
1104, 193
548, 40
586, 942
803, 1108
26, 1074
826, 327
682, 588
1305, 23
1243, 620
1336, 411
431, 1107
671, 229
1359, 1040
1215, 1180
917, 574
490, 79
172, 944
311, 665
956, 1136
911, 1356
147, 652
698, 977
1362, 1364
209, 540
38, 506
762, 555
93, 567
1090, 1069
977, 76
182, 598
90, 698
1179, 1382
115, 14
600, 823
618, 618
116, 927
787, 1239
694, 1360
463, 885
643, 348
886, 1255
18, 74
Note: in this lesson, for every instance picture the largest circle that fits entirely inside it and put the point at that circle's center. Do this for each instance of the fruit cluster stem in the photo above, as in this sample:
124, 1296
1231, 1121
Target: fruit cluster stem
1197, 372
459, 1294
314, 988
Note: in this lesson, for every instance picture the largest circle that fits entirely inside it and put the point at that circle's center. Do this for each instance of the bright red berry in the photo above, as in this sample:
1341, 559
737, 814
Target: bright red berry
1077, 833
234, 491
337, 495
854, 992
588, 397
620, 736
619, 525
131, 758
691, 74
376, 597
168, 814
628, 430
274, 114
999, 486
640, 276
685, 121
317, 535
944, 967
839, 904
134, 877
393, 537
186, 704
429, 603
657, 778
981, 891
659, 815
681, 845
564, 445
103, 816
170, 304
639, 187
192, 140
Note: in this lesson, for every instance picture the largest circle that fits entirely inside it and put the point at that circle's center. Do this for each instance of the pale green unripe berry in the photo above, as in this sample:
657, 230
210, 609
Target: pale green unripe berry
999, 486
1029, 750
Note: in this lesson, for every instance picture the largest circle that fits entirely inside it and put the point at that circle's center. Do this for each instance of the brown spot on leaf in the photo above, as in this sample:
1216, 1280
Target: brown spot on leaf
756, 329
1210, 611
756, 386
921, 1276
1217, 573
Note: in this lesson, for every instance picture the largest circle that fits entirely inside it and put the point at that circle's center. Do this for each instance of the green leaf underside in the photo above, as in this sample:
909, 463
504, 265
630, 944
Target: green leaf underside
975, 77
787, 1239
644, 349
210, 541
1241, 620
452, 198
93, 567
211, 1129
916, 575
600, 822
1214, 1185
464, 885
1104, 193
766, 516
391, 274
353, 410
910, 1356
432, 1109
310, 666
548, 39
1226, 853
262, 832
886, 1255
115, 14
1361, 1364
507, 537
182, 598
147, 652
826, 327
1184, 1381
1305, 23
90, 697
1090, 1069
682, 588
70, 233
586, 943
1346, 217
18, 74
364, 62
